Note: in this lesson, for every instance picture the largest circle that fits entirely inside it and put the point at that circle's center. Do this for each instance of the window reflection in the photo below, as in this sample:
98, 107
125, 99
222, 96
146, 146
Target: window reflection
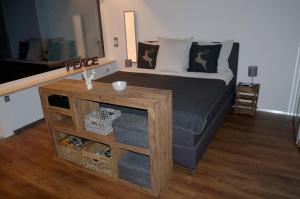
36, 34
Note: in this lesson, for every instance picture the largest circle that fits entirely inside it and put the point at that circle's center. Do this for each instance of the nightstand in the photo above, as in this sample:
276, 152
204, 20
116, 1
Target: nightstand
246, 98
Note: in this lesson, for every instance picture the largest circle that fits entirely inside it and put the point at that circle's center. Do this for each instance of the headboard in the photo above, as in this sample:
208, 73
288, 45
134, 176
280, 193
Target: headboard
234, 60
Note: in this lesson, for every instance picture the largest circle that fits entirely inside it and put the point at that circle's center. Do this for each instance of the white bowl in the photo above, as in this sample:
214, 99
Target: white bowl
119, 85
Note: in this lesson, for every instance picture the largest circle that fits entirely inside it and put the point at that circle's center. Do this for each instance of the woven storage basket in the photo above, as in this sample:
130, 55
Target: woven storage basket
69, 152
96, 162
100, 121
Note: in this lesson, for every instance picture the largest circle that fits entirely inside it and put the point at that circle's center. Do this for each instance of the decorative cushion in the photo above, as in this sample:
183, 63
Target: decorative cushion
173, 54
131, 121
23, 49
227, 45
54, 50
35, 50
131, 129
204, 58
147, 55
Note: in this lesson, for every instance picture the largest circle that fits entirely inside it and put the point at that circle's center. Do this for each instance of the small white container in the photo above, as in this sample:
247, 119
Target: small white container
119, 85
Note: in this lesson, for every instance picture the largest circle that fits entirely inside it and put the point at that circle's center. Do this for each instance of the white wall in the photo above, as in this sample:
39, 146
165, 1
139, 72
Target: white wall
21, 21
268, 31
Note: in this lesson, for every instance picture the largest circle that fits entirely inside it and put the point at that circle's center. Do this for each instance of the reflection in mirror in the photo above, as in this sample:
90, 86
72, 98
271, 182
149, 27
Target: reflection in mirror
78, 35
38, 34
130, 35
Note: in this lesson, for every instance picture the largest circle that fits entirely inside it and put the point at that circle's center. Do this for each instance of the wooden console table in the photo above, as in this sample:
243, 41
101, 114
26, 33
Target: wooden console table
157, 103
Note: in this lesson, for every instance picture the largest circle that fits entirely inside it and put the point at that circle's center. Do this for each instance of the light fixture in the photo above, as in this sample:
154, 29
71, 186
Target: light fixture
130, 35
252, 72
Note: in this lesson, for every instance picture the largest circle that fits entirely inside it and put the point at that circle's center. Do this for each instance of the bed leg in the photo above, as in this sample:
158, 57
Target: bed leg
190, 171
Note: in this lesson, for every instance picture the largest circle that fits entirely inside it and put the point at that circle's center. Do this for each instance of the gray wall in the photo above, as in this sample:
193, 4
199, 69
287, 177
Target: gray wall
22, 22
55, 20
51, 19
268, 30
5, 51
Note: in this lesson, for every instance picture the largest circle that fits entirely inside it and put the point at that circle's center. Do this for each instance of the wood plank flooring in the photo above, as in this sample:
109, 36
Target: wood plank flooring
249, 158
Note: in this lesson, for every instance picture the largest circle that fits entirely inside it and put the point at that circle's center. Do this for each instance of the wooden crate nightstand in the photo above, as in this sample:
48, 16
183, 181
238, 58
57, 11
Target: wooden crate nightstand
246, 99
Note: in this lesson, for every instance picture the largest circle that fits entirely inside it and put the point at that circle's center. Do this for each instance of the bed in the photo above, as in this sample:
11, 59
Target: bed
199, 105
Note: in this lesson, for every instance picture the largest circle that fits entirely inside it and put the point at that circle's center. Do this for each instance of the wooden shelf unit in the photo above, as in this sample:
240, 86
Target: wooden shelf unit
157, 103
246, 99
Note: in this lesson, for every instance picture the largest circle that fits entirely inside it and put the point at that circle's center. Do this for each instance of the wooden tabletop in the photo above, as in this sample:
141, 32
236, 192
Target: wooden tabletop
134, 96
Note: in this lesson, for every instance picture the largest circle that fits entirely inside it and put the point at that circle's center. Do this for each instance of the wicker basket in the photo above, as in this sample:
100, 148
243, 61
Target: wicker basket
93, 158
69, 152
100, 121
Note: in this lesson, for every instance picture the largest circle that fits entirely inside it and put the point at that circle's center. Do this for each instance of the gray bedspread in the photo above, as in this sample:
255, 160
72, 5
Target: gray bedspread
194, 99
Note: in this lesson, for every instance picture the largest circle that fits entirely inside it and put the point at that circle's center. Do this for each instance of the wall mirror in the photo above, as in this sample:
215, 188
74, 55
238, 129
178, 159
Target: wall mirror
130, 35
38, 34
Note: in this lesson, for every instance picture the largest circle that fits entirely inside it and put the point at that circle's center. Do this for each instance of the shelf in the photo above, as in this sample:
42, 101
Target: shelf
134, 148
248, 104
72, 122
245, 111
249, 90
247, 97
244, 108
111, 179
66, 125
252, 89
59, 110
135, 168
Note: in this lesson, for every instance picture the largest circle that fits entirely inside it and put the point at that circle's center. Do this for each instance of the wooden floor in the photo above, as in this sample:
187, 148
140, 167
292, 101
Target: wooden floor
249, 158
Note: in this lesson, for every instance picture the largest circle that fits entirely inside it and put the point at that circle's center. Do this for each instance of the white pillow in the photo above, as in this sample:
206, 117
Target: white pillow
226, 48
173, 54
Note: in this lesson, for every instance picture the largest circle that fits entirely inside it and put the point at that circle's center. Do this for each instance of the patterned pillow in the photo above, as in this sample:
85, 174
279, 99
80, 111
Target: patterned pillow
147, 55
204, 58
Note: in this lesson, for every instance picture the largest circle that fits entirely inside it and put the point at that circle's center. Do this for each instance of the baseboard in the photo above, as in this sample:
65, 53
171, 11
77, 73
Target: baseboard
287, 114
20, 130
275, 112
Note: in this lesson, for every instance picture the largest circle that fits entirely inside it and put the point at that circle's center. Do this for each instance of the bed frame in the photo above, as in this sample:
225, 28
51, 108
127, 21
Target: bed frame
190, 157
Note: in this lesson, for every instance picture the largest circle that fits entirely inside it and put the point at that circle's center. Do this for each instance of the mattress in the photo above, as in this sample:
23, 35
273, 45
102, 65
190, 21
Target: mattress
195, 100
185, 138
226, 76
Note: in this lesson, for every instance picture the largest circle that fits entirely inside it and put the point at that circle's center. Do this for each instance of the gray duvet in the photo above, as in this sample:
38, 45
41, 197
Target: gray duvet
194, 100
